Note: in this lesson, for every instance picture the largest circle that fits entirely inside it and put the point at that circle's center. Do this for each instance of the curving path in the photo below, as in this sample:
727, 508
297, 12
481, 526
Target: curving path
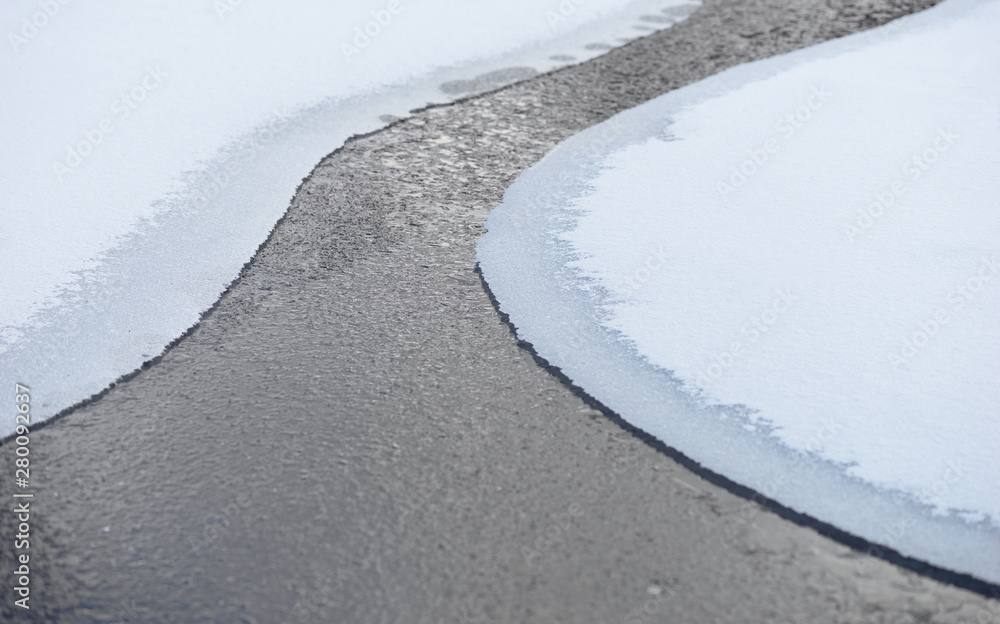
353, 435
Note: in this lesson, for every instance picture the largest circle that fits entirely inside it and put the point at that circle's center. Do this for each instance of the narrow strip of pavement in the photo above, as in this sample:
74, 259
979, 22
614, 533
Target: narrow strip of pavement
353, 434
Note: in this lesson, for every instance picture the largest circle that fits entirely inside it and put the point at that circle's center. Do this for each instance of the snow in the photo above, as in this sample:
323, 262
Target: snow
789, 272
150, 146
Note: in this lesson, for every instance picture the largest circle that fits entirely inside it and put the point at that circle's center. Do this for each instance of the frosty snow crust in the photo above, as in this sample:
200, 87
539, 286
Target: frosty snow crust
786, 272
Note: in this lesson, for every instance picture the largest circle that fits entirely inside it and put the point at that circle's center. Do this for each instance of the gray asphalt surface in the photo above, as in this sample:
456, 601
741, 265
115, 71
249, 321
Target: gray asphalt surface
354, 435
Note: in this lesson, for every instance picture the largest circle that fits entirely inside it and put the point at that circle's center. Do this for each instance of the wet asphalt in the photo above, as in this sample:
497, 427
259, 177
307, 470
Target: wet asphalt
353, 433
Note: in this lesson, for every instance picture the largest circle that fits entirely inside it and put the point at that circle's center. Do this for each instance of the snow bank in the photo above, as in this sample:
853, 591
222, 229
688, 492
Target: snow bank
789, 272
149, 147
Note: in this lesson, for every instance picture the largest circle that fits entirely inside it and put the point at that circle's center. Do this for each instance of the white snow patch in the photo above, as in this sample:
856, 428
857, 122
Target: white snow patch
150, 146
808, 245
